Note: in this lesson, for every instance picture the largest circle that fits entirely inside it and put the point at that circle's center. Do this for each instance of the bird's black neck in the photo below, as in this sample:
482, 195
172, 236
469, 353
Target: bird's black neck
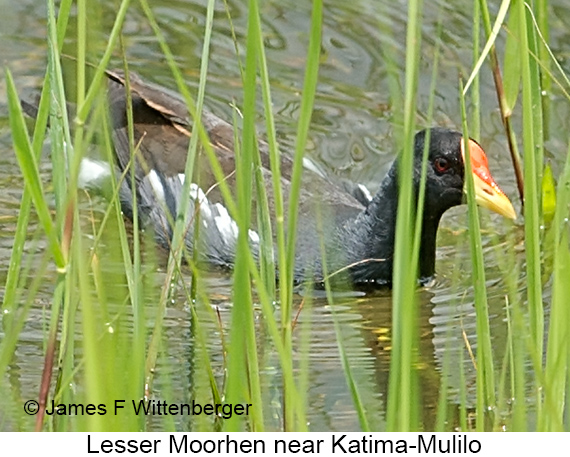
368, 240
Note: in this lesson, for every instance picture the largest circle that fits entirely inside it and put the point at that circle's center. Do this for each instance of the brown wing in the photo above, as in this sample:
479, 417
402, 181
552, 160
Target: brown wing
162, 134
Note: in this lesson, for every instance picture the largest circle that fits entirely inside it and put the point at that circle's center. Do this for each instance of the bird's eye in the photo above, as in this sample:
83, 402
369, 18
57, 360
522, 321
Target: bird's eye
441, 164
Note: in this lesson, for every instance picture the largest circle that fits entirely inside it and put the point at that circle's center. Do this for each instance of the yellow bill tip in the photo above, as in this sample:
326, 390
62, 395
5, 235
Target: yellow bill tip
487, 192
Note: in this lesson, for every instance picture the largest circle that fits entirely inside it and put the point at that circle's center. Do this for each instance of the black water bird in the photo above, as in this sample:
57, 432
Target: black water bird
358, 230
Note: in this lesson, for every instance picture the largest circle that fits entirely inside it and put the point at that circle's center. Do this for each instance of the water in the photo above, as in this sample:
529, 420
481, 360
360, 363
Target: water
352, 137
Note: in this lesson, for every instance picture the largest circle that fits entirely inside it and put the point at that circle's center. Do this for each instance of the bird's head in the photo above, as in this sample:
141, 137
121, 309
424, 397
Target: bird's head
445, 185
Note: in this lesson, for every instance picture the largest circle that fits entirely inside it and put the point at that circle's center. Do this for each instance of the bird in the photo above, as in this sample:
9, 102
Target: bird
356, 229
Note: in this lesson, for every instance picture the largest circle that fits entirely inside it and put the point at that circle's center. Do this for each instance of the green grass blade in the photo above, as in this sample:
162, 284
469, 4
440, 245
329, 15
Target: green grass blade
503, 9
557, 354
531, 209
475, 92
402, 397
29, 166
512, 63
242, 337
305, 113
542, 11
98, 77
485, 367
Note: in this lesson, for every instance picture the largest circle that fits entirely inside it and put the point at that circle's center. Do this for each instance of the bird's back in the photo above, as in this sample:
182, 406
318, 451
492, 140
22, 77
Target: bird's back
162, 129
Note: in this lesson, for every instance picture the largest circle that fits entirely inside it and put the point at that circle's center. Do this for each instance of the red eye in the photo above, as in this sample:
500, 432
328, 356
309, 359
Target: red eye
441, 164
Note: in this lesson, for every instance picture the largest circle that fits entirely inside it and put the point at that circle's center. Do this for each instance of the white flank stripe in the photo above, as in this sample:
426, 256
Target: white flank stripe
92, 172
198, 194
195, 192
366, 192
253, 237
310, 165
225, 224
156, 185
218, 215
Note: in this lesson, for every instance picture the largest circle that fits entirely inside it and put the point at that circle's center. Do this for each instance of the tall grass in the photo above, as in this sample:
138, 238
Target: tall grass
523, 62
240, 386
98, 336
485, 367
402, 400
